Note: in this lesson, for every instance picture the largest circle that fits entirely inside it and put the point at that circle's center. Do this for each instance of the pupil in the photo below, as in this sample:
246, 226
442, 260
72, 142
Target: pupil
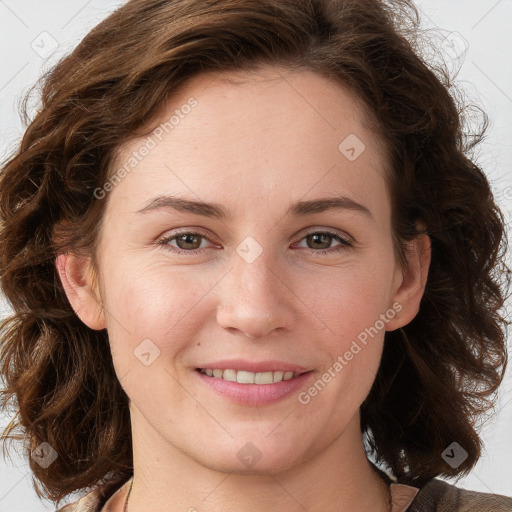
186, 236
322, 235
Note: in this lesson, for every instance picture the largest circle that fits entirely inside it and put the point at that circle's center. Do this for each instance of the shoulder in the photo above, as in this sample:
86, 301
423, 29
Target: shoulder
88, 503
440, 496
96, 500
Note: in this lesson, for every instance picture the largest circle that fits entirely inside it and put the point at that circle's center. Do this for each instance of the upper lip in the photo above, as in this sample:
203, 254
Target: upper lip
253, 366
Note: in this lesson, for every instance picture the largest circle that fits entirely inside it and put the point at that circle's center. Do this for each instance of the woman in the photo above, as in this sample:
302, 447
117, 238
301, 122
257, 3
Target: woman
179, 341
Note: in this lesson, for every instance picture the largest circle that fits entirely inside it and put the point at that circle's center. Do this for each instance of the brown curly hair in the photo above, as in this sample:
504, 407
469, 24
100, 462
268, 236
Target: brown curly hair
438, 375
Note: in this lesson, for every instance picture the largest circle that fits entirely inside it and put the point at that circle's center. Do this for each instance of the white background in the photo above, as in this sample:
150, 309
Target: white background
480, 27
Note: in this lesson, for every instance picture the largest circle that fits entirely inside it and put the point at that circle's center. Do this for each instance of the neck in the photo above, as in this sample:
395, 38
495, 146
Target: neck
166, 479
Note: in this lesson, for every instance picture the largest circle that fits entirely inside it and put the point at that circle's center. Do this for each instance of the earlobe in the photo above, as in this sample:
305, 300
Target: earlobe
78, 280
414, 280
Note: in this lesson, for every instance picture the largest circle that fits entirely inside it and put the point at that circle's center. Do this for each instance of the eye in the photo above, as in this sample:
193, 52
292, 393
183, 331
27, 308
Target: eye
324, 239
190, 242
187, 242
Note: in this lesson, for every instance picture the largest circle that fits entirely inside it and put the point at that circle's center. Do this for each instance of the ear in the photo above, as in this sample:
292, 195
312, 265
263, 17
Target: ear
79, 281
408, 295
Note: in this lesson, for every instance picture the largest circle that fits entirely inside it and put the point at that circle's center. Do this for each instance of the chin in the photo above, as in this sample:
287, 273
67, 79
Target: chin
260, 457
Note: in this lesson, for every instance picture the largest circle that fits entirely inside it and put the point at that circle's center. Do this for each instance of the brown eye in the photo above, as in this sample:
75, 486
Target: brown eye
322, 239
319, 242
186, 241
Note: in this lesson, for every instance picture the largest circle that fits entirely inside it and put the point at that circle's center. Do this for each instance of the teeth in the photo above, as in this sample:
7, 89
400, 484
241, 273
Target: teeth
229, 375
248, 377
243, 377
264, 378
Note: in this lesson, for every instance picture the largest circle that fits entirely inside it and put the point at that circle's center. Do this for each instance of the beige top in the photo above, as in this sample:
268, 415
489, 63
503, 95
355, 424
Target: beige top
435, 496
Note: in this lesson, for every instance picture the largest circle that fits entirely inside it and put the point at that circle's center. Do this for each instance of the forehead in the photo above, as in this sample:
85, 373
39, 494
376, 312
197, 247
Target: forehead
254, 137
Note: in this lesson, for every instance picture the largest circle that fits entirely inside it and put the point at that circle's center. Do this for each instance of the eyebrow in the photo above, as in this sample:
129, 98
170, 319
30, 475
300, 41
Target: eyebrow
216, 210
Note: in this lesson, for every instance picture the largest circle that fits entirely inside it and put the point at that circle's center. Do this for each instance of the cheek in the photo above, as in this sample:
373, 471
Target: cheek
354, 307
351, 348
349, 301
159, 304
153, 317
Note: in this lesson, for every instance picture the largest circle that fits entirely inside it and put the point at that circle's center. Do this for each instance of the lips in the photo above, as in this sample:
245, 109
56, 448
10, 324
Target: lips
254, 383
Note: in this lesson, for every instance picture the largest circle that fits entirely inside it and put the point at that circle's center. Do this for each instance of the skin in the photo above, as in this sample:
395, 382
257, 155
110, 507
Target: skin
255, 145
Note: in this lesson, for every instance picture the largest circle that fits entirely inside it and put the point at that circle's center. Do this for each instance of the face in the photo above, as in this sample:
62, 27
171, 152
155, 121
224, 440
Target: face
276, 283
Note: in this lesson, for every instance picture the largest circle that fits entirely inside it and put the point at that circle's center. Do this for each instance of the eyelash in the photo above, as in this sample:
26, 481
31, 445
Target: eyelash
345, 244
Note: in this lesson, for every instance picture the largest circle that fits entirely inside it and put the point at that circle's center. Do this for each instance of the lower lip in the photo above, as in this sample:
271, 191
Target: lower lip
255, 394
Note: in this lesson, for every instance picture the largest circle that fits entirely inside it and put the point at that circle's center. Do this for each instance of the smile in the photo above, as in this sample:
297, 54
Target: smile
253, 388
245, 377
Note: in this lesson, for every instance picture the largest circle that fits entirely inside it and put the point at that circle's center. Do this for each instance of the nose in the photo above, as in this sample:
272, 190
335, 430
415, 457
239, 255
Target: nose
256, 299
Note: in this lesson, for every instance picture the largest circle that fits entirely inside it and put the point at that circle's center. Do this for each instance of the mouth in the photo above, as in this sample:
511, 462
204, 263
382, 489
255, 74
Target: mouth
246, 377
271, 383
253, 383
